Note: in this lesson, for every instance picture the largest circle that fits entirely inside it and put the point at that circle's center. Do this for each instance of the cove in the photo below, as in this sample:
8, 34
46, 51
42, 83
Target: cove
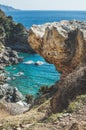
29, 77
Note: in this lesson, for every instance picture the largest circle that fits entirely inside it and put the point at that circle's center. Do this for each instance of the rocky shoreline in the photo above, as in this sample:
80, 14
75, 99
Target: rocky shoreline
13, 39
60, 43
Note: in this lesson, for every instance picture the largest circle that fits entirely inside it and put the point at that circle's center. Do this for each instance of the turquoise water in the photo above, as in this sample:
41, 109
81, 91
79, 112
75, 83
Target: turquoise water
32, 77
29, 77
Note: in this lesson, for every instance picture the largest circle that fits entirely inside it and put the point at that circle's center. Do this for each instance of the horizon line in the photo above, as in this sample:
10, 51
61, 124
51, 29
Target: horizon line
42, 9
47, 10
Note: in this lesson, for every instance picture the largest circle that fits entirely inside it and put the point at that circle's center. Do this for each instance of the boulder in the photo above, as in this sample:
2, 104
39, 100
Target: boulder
4, 89
10, 94
16, 95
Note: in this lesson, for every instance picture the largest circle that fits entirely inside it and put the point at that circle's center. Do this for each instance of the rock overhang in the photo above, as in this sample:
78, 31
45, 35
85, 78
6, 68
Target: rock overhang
61, 43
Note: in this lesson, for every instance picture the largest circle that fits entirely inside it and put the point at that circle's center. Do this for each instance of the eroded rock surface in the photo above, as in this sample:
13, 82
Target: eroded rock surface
63, 43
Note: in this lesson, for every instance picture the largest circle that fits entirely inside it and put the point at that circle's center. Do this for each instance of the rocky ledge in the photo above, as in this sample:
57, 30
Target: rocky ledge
64, 45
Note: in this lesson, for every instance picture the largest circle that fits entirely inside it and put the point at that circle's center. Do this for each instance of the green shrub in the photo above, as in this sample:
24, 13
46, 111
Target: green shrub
29, 99
44, 89
77, 104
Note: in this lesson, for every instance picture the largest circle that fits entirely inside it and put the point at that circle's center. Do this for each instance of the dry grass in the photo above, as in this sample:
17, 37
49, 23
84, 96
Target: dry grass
33, 119
3, 112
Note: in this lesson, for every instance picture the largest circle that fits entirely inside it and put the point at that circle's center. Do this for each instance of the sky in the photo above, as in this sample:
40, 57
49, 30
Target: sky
46, 4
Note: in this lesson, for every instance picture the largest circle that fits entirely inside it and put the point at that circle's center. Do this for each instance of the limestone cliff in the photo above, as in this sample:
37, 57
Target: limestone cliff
63, 44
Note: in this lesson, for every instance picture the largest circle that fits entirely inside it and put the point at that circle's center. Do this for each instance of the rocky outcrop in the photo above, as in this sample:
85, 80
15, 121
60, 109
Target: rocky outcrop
12, 100
12, 34
9, 57
11, 94
64, 45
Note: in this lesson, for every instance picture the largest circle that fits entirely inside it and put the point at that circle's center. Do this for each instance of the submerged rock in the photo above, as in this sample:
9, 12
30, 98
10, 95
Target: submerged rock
39, 63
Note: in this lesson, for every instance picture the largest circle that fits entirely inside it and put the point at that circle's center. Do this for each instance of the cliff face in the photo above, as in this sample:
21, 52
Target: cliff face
13, 35
64, 45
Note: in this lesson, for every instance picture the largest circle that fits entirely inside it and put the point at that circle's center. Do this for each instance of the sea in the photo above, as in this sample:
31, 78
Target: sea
27, 76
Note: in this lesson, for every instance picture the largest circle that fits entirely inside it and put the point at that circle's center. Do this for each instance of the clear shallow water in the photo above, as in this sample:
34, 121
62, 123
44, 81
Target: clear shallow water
32, 77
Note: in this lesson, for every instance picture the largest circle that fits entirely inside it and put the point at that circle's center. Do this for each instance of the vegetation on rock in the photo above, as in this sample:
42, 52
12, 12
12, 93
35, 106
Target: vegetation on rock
13, 34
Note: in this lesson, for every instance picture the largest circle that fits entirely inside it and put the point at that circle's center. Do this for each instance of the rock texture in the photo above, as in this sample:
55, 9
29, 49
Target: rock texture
10, 94
64, 45
12, 100
8, 57
71, 86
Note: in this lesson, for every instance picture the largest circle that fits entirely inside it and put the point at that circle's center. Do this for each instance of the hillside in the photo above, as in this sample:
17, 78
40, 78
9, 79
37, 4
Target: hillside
12, 34
6, 8
74, 118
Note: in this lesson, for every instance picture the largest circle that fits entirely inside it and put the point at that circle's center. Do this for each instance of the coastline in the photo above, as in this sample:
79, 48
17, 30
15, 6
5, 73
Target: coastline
62, 106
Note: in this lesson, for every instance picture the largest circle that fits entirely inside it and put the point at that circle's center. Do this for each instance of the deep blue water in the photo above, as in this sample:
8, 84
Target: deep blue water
32, 77
28, 18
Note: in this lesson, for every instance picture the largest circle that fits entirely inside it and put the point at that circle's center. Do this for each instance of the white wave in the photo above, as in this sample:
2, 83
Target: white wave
19, 74
29, 62
14, 68
13, 78
8, 78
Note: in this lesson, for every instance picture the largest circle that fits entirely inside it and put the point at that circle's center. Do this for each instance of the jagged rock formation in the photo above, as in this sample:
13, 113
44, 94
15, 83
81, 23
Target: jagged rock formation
64, 45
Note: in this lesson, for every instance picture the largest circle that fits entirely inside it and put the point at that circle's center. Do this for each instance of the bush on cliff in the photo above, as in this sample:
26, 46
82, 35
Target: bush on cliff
29, 98
13, 34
